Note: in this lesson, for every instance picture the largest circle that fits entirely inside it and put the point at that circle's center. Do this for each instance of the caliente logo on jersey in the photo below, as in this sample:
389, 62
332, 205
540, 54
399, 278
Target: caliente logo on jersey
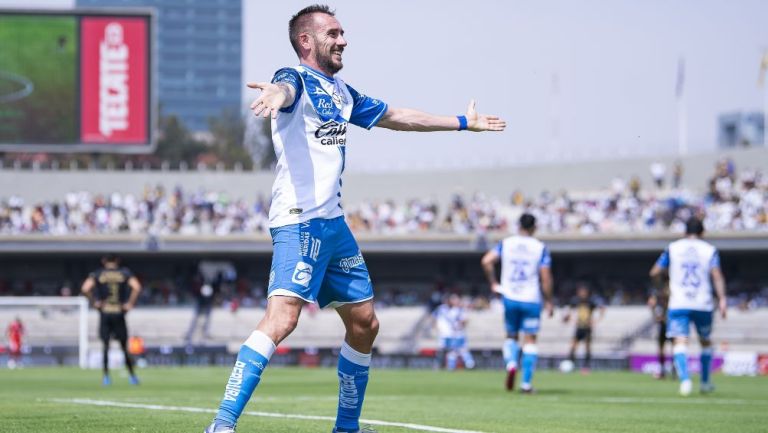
332, 133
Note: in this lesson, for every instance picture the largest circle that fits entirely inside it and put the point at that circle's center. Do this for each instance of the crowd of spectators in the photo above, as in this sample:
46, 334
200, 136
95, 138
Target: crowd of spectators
733, 202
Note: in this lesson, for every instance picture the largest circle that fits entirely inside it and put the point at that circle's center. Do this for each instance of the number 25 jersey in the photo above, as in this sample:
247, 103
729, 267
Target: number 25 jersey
521, 259
689, 262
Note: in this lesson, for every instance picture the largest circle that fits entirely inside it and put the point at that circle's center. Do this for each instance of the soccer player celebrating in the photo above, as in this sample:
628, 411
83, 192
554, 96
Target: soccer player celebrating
315, 257
691, 262
114, 290
525, 275
584, 305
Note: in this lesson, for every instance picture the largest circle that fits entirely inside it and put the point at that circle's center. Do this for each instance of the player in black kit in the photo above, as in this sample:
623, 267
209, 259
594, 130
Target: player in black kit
114, 291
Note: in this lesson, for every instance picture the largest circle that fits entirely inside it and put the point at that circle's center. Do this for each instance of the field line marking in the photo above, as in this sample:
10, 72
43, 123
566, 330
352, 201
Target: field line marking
663, 400
421, 427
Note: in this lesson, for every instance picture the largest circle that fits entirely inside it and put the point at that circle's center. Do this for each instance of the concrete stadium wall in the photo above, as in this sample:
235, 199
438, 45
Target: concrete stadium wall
36, 186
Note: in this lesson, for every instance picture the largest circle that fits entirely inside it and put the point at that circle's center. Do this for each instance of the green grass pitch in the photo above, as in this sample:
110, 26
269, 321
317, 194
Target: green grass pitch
43, 50
45, 400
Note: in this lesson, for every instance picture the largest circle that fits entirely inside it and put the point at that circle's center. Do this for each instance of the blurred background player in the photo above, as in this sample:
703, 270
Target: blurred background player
583, 305
15, 334
525, 275
690, 263
114, 291
658, 302
204, 298
450, 320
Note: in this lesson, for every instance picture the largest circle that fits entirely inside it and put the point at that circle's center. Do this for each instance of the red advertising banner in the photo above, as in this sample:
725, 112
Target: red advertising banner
114, 80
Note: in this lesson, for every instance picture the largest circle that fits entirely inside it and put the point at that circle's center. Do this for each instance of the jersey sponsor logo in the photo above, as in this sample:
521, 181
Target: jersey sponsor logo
347, 263
332, 133
302, 274
325, 106
296, 211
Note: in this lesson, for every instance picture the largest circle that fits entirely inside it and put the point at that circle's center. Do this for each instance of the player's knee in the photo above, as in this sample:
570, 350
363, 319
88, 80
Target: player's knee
365, 326
277, 327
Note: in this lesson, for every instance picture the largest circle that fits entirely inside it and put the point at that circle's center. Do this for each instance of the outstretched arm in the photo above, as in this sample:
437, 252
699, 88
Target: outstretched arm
273, 97
407, 119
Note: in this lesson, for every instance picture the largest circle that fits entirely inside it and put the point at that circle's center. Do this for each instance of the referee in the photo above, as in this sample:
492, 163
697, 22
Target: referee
114, 291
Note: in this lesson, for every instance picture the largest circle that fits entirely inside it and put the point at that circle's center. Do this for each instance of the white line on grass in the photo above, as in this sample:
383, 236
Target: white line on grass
667, 400
90, 402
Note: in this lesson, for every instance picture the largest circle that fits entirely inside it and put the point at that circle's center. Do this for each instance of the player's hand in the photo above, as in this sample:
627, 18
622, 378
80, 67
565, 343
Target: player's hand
97, 305
550, 309
483, 122
270, 101
496, 288
723, 307
127, 307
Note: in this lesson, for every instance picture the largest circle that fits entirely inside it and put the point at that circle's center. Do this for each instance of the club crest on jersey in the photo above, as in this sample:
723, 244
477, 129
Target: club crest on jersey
332, 133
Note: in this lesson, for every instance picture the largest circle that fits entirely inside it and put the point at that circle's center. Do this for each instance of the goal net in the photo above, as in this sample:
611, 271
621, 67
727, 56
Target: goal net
50, 324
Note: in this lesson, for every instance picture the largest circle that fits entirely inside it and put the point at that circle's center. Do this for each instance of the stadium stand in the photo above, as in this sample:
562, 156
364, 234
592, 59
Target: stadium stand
731, 202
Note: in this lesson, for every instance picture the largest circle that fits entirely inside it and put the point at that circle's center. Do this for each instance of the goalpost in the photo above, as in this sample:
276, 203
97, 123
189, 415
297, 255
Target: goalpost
54, 301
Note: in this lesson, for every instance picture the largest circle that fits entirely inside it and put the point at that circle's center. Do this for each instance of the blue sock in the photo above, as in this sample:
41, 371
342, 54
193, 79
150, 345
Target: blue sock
251, 360
681, 362
511, 351
353, 378
469, 361
451, 360
706, 364
530, 355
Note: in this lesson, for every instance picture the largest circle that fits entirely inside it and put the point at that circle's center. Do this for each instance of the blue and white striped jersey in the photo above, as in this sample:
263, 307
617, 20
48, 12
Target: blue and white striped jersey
521, 259
690, 262
450, 321
310, 138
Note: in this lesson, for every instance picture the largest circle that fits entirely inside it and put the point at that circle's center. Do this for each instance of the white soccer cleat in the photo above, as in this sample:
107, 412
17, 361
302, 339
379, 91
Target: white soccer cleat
213, 428
685, 387
707, 388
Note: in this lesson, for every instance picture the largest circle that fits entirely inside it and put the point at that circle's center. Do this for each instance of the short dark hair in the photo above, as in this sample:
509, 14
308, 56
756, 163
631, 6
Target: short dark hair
527, 221
110, 258
694, 226
302, 20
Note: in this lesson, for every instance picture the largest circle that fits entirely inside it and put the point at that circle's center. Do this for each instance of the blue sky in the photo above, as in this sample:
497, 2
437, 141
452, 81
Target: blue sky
615, 64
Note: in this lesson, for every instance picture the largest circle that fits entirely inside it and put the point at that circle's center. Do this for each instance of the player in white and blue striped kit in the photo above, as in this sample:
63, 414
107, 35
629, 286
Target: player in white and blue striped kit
694, 267
451, 321
525, 275
315, 256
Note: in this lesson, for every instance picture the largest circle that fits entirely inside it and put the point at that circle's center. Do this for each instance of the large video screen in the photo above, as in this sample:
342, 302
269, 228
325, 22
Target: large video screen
76, 82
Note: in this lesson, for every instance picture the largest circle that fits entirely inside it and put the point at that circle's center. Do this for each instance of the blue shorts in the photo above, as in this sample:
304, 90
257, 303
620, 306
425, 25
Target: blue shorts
319, 260
453, 343
678, 323
521, 316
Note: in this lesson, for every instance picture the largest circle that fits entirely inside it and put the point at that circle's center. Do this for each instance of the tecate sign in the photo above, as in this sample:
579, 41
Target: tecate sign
114, 80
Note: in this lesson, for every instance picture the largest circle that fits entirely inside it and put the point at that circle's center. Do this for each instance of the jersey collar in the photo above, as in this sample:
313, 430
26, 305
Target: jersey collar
318, 73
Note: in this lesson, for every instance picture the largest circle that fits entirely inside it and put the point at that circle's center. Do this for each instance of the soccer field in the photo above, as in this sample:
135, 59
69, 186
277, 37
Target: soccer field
183, 399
